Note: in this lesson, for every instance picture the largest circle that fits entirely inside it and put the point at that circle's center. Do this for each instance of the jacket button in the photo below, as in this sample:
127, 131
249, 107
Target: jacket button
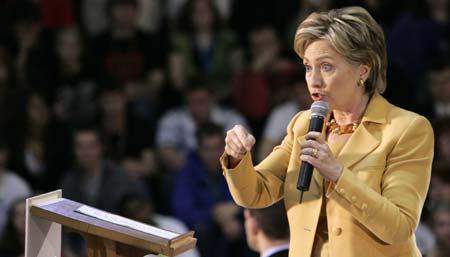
342, 191
337, 231
364, 206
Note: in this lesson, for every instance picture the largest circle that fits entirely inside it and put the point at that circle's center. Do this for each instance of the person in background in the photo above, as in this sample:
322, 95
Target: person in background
135, 57
140, 209
441, 228
12, 241
74, 89
264, 82
40, 150
127, 139
12, 186
439, 85
94, 180
202, 46
31, 47
441, 128
201, 198
267, 230
124, 50
440, 186
275, 127
175, 135
418, 36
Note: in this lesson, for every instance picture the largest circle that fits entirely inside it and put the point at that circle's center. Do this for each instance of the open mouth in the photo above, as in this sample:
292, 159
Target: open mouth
316, 96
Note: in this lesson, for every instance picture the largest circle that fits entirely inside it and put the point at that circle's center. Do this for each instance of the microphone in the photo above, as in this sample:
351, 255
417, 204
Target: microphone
319, 111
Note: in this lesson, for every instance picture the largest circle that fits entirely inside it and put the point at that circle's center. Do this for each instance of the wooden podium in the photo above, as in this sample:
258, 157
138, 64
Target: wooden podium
105, 234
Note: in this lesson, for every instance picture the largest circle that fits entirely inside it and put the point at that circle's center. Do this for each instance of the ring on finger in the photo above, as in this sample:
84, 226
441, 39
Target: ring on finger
314, 152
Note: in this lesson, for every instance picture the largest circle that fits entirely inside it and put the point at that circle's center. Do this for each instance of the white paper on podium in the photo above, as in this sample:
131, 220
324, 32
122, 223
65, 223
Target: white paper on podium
118, 220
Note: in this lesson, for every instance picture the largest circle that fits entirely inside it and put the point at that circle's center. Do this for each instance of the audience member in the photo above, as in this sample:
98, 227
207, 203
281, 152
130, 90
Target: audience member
264, 82
441, 228
201, 198
31, 46
140, 209
267, 230
174, 7
201, 45
12, 186
126, 138
441, 128
12, 241
93, 16
175, 136
439, 84
74, 89
124, 50
11, 95
440, 186
275, 127
40, 150
94, 180
418, 37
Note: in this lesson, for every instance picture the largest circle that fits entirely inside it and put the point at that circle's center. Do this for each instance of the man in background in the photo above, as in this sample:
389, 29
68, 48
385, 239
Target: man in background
267, 230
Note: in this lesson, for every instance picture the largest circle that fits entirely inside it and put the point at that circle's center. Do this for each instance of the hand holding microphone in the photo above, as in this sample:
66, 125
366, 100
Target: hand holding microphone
315, 152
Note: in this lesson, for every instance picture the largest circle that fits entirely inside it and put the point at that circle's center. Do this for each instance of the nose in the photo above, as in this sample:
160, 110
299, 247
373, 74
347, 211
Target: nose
314, 78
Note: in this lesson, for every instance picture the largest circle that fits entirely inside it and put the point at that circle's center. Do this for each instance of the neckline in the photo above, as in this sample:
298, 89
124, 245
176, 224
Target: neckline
333, 127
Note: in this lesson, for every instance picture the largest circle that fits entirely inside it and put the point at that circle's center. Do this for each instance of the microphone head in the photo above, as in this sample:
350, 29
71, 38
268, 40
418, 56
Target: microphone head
319, 108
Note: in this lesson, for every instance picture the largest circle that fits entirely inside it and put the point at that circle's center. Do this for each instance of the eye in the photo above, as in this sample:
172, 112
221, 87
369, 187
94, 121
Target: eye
307, 68
327, 67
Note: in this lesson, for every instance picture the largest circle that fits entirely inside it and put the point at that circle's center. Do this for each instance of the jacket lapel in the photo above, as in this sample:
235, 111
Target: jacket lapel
364, 140
360, 144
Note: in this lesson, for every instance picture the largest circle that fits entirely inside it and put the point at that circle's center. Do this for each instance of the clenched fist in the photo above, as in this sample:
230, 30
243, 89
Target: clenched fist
237, 143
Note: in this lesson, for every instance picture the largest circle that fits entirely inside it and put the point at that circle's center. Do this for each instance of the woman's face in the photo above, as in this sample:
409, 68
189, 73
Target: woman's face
331, 78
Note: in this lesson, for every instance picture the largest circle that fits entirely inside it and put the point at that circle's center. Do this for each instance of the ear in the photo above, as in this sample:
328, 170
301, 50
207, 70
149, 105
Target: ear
254, 228
251, 224
364, 71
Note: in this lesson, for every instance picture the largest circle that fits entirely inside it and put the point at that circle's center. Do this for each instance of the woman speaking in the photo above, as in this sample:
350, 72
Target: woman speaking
372, 161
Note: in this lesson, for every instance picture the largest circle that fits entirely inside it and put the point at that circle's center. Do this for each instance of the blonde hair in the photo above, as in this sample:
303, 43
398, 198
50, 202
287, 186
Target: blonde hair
354, 34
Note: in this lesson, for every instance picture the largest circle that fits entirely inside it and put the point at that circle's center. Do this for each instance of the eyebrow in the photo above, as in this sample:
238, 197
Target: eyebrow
320, 58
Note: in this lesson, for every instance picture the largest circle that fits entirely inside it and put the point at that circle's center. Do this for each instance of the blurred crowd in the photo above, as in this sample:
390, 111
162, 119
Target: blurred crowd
124, 104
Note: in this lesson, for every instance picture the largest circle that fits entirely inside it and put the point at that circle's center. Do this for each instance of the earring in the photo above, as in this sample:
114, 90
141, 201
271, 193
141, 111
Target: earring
361, 83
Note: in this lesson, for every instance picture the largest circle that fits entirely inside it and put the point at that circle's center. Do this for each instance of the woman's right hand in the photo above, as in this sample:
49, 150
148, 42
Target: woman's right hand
237, 143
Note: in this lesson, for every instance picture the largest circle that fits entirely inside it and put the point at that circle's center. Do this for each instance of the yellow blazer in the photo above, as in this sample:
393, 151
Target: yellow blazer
373, 209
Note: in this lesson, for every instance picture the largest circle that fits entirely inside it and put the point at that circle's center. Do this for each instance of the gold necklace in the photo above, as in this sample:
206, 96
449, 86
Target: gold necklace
333, 127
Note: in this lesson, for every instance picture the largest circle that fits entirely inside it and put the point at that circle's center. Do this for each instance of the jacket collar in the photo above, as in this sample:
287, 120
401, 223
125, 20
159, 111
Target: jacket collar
364, 140
376, 110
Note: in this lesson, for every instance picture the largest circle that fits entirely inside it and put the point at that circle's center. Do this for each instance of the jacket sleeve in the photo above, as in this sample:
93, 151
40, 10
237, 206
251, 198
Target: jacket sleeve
262, 185
393, 214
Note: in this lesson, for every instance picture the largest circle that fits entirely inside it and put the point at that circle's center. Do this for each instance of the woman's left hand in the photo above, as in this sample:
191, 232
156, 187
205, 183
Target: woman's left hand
316, 152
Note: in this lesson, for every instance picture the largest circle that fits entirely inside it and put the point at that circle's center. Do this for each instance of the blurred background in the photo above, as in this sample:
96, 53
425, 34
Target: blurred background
124, 103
